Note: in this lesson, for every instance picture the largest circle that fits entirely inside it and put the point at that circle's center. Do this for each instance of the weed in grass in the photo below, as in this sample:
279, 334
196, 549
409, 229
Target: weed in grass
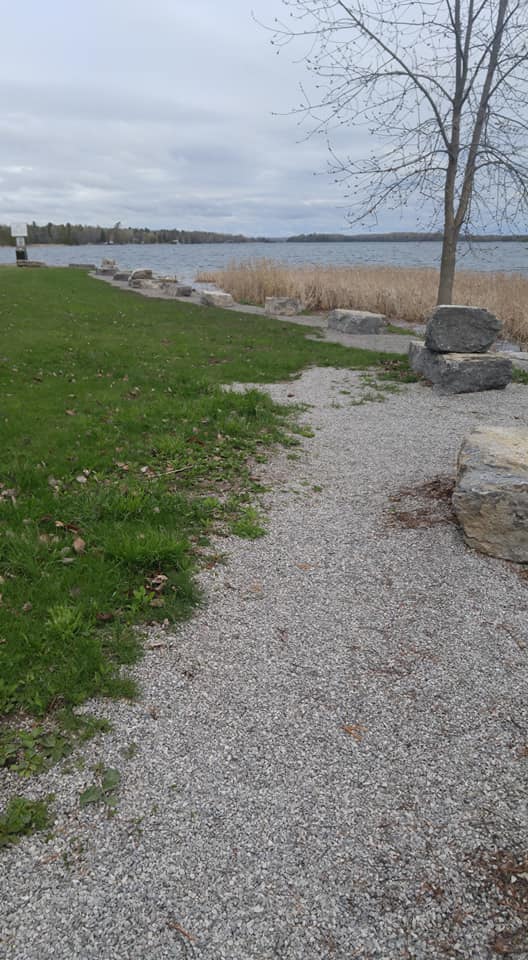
23, 817
519, 376
113, 464
248, 525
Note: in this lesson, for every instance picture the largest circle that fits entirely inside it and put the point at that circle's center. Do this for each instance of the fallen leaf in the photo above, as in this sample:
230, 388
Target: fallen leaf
81, 478
354, 730
104, 617
79, 545
177, 926
71, 413
305, 566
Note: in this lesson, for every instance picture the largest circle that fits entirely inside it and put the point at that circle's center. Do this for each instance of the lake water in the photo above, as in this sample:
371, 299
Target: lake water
186, 260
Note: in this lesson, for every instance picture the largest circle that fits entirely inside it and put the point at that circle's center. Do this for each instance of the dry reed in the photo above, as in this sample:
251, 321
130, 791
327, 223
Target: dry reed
401, 293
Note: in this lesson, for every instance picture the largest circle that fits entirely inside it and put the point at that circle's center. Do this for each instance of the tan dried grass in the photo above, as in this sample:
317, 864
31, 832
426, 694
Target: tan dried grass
401, 293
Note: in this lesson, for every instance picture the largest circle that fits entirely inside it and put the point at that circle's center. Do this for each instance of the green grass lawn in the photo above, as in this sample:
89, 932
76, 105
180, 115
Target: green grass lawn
120, 454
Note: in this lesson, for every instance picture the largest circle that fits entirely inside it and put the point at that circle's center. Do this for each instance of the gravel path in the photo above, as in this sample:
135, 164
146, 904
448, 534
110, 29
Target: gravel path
331, 757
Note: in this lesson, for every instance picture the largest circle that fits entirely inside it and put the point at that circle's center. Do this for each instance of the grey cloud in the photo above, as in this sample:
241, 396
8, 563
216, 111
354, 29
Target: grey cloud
158, 114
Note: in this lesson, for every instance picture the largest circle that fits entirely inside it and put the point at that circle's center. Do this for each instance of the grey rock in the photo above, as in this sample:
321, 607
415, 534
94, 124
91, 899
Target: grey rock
184, 290
422, 360
491, 492
216, 298
461, 372
141, 275
138, 284
122, 275
282, 306
30, 263
459, 329
356, 321
83, 266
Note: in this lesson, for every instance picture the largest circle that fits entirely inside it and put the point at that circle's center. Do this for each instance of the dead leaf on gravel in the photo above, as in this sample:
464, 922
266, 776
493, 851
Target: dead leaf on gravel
306, 566
178, 927
354, 730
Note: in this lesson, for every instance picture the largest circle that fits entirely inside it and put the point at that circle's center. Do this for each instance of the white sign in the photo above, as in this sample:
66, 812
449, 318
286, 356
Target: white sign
19, 230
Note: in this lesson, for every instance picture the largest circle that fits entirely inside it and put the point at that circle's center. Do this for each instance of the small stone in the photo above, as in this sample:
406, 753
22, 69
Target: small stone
459, 329
491, 492
282, 306
461, 372
216, 298
356, 321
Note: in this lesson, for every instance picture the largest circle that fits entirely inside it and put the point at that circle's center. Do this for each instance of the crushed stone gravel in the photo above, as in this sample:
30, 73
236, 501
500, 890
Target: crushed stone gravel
330, 758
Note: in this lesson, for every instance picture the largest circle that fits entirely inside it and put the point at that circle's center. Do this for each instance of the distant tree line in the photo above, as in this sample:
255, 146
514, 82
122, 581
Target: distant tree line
400, 237
75, 234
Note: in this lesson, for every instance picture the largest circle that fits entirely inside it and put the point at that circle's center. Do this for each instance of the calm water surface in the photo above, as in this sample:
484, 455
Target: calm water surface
186, 260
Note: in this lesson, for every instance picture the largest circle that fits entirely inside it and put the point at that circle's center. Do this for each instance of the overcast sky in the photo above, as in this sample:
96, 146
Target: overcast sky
159, 114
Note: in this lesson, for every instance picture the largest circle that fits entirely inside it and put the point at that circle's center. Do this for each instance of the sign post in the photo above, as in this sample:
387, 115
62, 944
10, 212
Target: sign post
19, 231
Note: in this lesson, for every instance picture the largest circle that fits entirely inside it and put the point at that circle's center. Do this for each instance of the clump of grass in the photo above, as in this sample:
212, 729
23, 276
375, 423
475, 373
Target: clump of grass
248, 525
401, 293
31, 751
121, 454
23, 817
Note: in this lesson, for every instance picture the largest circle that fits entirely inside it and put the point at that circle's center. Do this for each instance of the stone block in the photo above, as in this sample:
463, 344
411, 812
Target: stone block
184, 290
458, 329
282, 306
122, 275
356, 321
138, 284
141, 275
491, 492
216, 298
461, 372
83, 266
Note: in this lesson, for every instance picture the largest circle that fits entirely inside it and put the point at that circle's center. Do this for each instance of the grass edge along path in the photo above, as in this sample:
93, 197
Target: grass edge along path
122, 454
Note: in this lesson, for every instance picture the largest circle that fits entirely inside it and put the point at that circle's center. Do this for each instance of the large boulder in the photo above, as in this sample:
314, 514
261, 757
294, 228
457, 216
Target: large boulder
454, 329
461, 372
141, 275
216, 298
356, 321
122, 275
491, 492
282, 306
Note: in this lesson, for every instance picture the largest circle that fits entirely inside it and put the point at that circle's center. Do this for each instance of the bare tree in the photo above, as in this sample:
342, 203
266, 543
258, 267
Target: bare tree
442, 87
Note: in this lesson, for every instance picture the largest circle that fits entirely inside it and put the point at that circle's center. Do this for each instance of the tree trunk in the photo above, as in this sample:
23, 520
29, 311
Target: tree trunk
447, 266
